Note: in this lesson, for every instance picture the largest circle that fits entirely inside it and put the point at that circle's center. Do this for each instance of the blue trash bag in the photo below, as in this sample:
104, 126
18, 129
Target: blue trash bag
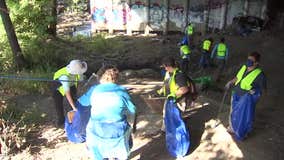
242, 115
76, 131
184, 40
177, 135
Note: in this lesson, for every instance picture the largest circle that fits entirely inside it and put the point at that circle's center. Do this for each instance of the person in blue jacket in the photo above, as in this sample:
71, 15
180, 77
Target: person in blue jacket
108, 130
248, 84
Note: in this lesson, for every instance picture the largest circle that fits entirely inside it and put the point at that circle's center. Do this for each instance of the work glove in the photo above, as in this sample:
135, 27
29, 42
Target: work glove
159, 91
172, 97
228, 85
252, 92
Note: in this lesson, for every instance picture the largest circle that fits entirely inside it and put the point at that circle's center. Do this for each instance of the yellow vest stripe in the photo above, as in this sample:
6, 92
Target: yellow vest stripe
185, 49
206, 45
221, 50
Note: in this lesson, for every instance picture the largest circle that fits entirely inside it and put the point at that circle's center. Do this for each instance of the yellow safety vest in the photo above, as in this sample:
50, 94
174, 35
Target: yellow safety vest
221, 50
185, 51
172, 83
190, 29
206, 45
61, 72
247, 81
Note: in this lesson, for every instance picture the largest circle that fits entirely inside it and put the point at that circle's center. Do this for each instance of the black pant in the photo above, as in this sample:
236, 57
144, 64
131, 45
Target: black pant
184, 65
58, 100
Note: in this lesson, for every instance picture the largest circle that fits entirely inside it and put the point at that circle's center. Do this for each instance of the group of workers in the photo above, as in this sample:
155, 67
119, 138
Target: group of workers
248, 84
218, 54
106, 128
99, 115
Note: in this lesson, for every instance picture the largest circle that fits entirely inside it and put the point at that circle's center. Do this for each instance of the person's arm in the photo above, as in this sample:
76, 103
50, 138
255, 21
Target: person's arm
70, 100
227, 53
181, 82
66, 86
213, 51
264, 84
181, 91
230, 83
260, 83
132, 110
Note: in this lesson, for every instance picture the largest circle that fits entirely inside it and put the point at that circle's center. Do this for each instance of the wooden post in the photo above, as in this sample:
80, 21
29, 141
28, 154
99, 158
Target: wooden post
186, 15
129, 25
225, 14
207, 16
166, 28
147, 28
263, 9
110, 26
246, 7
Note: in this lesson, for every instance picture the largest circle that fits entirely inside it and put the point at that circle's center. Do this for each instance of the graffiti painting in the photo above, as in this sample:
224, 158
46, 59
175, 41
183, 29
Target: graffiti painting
157, 15
177, 15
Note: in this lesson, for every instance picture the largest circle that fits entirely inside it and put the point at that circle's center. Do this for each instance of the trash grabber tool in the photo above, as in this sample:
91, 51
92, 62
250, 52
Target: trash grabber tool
221, 107
90, 78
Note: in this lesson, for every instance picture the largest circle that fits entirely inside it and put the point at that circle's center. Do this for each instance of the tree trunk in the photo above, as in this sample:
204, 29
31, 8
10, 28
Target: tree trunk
12, 38
52, 26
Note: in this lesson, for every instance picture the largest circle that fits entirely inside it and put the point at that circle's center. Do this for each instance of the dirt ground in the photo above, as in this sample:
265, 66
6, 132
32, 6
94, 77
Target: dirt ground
266, 142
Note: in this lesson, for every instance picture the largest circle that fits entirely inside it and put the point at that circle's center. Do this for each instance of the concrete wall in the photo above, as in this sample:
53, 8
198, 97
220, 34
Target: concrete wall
170, 15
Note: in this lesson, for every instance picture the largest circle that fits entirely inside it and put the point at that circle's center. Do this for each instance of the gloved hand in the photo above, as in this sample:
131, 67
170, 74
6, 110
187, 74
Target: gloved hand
252, 91
159, 91
172, 97
228, 85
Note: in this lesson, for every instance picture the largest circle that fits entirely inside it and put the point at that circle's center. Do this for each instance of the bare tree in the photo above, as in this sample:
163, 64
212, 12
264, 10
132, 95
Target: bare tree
12, 38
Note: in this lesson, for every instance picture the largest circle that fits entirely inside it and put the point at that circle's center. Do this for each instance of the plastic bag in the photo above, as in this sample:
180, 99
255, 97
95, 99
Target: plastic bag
76, 131
177, 135
242, 115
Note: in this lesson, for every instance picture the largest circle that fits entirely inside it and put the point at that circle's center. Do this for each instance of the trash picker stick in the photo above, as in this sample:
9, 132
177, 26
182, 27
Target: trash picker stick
90, 78
221, 107
134, 123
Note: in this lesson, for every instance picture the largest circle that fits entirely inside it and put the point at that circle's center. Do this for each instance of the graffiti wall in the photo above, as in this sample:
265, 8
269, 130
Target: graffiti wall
159, 14
235, 8
138, 15
177, 15
196, 11
109, 13
255, 7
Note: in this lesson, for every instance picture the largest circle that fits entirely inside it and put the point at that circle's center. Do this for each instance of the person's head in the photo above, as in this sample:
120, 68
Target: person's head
253, 59
222, 40
77, 67
169, 64
108, 74
210, 39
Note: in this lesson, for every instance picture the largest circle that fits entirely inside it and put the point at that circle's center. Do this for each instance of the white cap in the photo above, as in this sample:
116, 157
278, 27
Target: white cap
77, 67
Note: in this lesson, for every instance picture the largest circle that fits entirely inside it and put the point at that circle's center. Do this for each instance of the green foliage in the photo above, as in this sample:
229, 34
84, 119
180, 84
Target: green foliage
77, 5
31, 17
27, 86
26, 115
98, 44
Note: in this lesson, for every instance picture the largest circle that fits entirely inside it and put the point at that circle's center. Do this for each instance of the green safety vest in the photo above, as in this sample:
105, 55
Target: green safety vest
206, 45
190, 29
185, 50
248, 79
61, 72
221, 50
172, 83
